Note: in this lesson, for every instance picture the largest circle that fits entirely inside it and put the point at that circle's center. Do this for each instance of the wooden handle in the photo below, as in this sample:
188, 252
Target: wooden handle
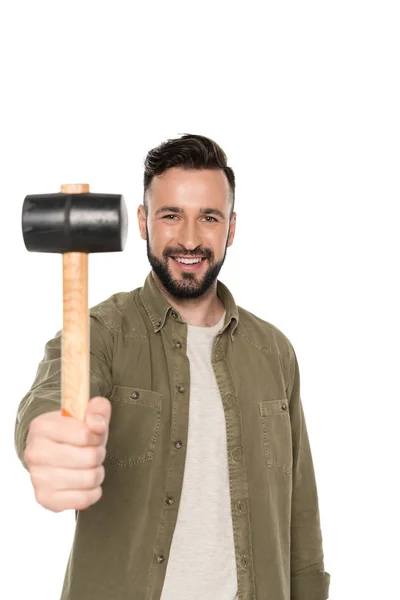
75, 358
75, 188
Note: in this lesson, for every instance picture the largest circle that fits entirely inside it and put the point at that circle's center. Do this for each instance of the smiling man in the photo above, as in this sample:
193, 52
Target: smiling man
192, 476
188, 222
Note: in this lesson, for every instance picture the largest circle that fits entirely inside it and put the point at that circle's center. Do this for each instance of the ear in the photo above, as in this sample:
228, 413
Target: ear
141, 214
232, 229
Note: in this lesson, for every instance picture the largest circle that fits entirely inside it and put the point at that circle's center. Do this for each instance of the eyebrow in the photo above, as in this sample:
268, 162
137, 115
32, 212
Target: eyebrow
178, 210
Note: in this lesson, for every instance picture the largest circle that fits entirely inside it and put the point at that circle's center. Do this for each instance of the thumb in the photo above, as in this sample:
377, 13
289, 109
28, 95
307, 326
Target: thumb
98, 414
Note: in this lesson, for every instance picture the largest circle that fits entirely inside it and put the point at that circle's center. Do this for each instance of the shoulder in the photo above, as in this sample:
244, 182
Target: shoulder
120, 313
263, 335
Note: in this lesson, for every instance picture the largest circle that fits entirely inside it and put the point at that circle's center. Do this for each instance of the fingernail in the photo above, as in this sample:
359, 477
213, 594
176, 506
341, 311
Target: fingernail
99, 419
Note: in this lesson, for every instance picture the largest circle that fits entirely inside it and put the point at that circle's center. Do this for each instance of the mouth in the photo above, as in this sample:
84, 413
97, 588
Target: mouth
188, 264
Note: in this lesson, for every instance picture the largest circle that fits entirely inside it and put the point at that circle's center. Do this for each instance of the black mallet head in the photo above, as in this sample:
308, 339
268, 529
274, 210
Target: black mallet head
74, 222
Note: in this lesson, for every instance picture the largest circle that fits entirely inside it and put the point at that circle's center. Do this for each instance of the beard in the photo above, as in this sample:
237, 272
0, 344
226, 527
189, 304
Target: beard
189, 286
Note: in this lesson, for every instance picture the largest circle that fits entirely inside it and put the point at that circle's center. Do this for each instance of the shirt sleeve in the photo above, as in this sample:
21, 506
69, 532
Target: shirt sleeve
45, 392
309, 581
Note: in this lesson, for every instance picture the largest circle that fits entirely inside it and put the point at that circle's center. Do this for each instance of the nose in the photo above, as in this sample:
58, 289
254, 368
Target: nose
189, 235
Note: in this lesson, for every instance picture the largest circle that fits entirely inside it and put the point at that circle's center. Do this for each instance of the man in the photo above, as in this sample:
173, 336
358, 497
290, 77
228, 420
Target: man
192, 476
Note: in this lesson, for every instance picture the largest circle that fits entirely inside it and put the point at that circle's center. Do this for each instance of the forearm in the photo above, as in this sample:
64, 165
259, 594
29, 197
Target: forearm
309, 581
45, 392
31, 406
310, 586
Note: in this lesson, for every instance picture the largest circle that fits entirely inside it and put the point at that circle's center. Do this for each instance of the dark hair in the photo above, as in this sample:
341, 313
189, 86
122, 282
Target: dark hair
190, 151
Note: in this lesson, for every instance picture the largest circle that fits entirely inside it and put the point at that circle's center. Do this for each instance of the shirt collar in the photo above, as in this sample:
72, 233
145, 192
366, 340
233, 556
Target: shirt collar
159, 309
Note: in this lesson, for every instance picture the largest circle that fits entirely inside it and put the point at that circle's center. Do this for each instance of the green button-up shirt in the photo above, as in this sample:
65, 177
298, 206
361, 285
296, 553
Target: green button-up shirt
138, 360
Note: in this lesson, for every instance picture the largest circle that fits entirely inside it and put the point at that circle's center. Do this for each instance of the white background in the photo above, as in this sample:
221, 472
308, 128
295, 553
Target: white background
304, 98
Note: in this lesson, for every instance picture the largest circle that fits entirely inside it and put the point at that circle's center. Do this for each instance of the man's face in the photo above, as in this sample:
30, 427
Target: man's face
188, 229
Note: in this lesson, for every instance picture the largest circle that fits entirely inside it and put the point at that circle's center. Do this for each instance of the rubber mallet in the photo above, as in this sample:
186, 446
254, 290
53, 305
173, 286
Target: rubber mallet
75, 222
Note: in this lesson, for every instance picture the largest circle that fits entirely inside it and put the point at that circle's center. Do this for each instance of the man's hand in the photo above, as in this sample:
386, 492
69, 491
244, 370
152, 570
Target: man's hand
65, 456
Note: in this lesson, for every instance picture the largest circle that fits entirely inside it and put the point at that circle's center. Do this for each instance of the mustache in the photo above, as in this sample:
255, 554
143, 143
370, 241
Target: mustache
178, 253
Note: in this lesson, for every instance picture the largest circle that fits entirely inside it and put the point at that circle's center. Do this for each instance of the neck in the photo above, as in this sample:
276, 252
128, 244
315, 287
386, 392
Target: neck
205, 311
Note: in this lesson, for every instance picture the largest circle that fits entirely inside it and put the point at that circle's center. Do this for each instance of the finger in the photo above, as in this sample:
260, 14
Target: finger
98, 417
69, 499
97, 424
47, 453
64, 430
99, 406
59, 479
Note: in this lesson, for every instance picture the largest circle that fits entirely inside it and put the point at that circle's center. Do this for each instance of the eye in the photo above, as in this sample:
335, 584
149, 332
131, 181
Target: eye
172, 217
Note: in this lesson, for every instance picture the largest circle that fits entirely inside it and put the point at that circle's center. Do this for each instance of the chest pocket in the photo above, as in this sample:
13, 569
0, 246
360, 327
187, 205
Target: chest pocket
134, 425
277, 434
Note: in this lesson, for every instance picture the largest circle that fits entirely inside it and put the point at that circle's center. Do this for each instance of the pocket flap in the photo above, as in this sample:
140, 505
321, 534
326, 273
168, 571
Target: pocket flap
133, 395
273, 407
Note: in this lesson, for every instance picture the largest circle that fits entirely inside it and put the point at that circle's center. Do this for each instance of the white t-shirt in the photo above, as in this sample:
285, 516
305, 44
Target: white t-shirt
202, 562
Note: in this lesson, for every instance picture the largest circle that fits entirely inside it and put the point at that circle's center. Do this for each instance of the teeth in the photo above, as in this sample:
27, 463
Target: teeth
189, 261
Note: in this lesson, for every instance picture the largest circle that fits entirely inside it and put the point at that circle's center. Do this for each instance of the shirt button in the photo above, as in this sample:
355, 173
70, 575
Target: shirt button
178, 444
135, 395
245, 562
283, 406
239, 507
178, 345
160, 558
174, 315
236, 453
180, 389
228, 399
169, 500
